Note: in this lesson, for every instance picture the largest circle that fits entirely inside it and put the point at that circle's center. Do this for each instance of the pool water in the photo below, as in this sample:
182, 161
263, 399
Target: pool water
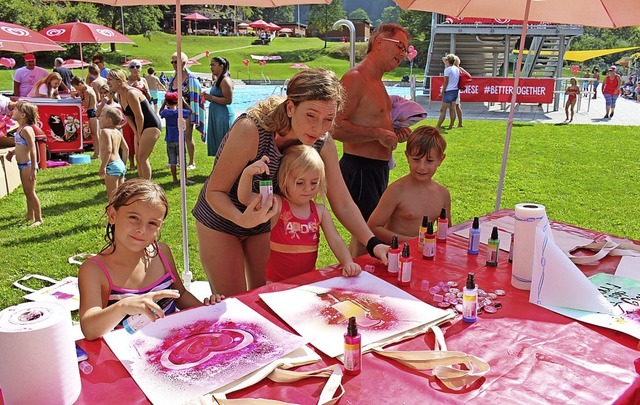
245, 96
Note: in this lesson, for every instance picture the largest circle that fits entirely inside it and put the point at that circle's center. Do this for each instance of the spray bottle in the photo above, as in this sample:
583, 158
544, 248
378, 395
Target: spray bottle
474, 237
134, 323
406, 262
266, 189
393, 257
352, 349
493, 247
443, 226
187, 277
429, 248
421, 231
470, 300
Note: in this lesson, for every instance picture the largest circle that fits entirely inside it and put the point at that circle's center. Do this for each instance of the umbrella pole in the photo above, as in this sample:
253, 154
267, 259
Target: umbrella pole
507, 139
81, 61
181, 150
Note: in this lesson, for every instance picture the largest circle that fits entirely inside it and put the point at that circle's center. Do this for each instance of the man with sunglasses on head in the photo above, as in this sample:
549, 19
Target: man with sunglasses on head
98, 60
364, 125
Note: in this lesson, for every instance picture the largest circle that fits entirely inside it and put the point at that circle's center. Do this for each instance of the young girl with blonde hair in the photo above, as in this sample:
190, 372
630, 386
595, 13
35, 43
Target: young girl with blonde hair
26, 115
295, 228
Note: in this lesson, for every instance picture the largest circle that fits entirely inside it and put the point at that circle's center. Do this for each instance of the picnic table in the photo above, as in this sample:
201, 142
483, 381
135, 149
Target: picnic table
536, 356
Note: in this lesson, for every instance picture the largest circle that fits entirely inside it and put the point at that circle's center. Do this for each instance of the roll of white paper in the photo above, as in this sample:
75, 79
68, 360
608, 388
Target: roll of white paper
528, 216
38, 363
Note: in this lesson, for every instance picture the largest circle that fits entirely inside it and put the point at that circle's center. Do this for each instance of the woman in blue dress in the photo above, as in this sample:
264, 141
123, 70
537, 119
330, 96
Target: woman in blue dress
219, 97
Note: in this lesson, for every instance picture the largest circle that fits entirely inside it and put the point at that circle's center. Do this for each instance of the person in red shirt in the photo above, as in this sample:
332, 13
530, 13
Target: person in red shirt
611, 91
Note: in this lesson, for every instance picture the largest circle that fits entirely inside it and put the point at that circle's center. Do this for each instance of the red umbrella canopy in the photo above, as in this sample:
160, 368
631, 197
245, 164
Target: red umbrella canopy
16, 38
74, 64
196, 17
143, 62
273, 27
259, 24
84, 33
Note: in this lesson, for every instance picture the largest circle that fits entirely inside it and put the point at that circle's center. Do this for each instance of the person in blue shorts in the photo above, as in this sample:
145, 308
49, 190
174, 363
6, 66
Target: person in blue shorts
172, 136
112, 168
449, 91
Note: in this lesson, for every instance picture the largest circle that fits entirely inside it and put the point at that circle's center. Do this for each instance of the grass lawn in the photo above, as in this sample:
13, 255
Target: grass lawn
584, 175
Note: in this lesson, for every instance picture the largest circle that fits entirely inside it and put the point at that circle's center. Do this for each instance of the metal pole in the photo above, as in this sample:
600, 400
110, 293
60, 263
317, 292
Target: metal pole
124, 46
352, 39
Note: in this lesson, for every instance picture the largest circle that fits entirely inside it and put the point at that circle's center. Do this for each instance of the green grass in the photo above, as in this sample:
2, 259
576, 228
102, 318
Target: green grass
584, 175
159, 49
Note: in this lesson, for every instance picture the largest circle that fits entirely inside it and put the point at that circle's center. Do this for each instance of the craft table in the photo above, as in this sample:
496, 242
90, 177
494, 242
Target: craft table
536, 356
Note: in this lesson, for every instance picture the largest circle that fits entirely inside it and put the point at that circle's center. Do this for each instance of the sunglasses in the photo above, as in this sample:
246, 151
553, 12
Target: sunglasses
174, 62
399, 43
135, 67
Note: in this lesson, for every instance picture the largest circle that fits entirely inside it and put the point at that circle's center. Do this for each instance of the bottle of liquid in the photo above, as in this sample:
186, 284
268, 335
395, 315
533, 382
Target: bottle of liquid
266, 188
443, 226
470, 300
393, 257
134, 323
421, 231
493, 247
429, 248
474, 237
406, 261
352, 349
511, 248
187, 277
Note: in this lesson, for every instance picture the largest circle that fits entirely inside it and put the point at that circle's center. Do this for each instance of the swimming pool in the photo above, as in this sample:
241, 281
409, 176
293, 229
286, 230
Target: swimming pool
245, 96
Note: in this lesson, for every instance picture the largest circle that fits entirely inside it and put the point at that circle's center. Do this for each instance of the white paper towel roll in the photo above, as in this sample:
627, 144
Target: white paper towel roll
38, 363
528, 216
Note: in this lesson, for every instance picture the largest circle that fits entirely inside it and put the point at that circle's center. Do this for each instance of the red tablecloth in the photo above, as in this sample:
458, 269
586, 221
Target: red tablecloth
536, 355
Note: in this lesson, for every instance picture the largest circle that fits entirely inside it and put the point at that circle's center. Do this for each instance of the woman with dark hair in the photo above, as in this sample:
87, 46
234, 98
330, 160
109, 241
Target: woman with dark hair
233, 238
220, 96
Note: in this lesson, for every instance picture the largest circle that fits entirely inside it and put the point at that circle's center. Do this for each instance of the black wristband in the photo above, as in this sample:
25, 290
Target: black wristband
373, 242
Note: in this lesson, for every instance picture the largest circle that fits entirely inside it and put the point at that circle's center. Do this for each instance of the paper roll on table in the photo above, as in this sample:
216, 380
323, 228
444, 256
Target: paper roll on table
528, 216
37, 355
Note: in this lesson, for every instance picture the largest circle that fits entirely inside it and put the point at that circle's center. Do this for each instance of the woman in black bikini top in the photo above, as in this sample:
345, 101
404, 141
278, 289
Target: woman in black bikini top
145, 123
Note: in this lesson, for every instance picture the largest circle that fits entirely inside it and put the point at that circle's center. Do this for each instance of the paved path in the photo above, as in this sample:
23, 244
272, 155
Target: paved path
590, 112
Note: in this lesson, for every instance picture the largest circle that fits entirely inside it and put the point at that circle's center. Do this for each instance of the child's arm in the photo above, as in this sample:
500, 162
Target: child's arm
124, 147
380, 216
245, 186
337, 245
30, 137
97, 320
186, 300
106, 146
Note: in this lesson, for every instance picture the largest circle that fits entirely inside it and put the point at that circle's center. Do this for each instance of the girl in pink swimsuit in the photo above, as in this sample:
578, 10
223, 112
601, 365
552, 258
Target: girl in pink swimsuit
295, 230
572, 92
133, 271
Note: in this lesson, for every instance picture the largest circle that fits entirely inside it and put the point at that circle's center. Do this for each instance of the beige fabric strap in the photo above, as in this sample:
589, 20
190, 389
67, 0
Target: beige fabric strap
327, 396
604, 248
441, 362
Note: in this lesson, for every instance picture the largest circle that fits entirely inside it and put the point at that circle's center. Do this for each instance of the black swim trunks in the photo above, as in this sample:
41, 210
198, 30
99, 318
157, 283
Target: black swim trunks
366, 180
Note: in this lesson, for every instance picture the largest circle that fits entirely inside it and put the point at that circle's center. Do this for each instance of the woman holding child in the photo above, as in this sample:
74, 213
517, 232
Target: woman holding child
233, 239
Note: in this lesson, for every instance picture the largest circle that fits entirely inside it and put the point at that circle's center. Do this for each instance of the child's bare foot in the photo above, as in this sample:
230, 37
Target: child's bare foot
450, 127
95, 156
27, 220
35, 223
459, 125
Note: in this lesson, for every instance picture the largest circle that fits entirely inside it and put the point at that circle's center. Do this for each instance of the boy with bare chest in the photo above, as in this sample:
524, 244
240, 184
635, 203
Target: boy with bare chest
415, 195
89, 102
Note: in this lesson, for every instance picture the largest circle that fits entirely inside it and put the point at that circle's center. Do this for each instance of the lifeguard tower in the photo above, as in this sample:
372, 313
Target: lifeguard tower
485, 45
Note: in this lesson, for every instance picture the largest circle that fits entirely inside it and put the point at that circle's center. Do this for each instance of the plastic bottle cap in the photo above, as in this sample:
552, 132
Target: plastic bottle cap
394, 242
471, 284
476, 223
443, 214
425, 221
494, 233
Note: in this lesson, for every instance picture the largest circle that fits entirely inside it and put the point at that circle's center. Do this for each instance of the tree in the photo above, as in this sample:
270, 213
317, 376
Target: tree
278, 14
359, 14
418, 23
390, 14
321, 17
